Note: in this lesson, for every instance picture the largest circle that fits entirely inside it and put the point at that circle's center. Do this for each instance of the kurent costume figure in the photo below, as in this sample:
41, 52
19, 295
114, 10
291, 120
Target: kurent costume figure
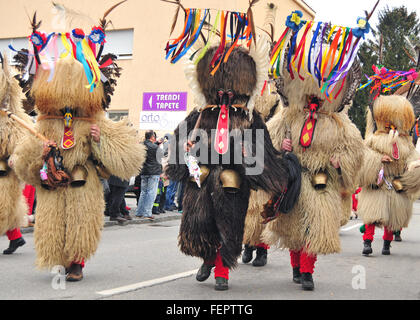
70, 94
225, 80
13, 206
314, 126
390, 178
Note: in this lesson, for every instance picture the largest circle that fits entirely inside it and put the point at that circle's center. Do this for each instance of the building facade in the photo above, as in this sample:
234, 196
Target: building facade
138, 35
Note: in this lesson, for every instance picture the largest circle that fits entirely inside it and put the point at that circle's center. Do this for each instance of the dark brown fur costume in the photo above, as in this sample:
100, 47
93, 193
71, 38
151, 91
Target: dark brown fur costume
212, 217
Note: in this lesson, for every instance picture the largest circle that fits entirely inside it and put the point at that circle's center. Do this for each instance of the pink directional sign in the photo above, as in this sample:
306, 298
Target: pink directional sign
165, 101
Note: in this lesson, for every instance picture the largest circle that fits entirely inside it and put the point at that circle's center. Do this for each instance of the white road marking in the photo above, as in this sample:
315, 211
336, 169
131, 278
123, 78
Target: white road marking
352, 227
148, 283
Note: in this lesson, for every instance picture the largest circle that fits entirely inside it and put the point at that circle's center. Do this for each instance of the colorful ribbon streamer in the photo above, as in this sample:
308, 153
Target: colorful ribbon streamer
330, 54
234, 27
79, 46
387, 79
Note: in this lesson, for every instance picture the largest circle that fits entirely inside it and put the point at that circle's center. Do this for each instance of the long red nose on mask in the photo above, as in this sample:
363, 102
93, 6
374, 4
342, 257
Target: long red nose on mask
221, 143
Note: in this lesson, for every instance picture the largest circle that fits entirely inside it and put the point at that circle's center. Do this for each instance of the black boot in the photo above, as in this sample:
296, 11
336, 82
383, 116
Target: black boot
247, 254
397, 236
221, 284
204, 272
75, 273
385, 249
14, 244
367, 247
307, 281
261, 258
297, 276
119, 218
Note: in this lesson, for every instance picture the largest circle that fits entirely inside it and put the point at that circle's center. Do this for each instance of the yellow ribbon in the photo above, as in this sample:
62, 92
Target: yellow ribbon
91, 59
66, 45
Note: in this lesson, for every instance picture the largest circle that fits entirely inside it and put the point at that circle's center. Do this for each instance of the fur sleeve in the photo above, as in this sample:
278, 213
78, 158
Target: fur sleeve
371, 166
411, 177
276, 127
174, 169
27, 160
119, 149
274, 175
11, 133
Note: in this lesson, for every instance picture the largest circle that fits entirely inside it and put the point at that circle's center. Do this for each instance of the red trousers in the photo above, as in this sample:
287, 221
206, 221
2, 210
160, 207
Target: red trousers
219, 269
13, 234
370, 231
304, 261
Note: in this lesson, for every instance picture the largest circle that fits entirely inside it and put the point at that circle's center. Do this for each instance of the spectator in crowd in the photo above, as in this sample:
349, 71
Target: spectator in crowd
137, 188
115, 200
170, 196
149, 175
157, 208
180, 196
162, 199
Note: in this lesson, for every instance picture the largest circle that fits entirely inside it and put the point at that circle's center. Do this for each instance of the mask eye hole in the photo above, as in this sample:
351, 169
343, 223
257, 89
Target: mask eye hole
220, 93
230, 94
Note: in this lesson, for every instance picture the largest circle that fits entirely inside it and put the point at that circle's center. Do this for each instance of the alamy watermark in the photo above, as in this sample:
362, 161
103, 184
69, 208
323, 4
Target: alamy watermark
359, 280
246, 147
58, 281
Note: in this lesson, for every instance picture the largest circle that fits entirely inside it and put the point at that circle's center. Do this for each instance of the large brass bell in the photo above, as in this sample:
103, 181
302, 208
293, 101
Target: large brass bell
319, 180
78, 175
204, 174
231, 180
396, 183
4, 168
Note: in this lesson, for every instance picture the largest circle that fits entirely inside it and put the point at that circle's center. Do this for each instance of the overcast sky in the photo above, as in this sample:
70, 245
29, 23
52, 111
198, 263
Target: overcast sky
345, 12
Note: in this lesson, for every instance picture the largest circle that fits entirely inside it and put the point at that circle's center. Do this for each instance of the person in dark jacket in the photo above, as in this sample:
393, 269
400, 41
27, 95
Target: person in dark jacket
150, 174
115, 198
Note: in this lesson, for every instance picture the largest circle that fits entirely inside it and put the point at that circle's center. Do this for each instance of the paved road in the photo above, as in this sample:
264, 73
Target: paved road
142, 261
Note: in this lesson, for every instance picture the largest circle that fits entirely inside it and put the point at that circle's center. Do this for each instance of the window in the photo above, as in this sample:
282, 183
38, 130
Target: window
120, 43
117, 114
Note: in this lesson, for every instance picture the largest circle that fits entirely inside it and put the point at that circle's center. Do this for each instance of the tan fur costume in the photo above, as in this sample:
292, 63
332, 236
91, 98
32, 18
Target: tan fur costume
315, 220
13, 207
69, 219
382, 206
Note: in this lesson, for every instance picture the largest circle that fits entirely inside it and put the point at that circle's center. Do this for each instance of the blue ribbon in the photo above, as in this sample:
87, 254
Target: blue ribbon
81, 58
313, 45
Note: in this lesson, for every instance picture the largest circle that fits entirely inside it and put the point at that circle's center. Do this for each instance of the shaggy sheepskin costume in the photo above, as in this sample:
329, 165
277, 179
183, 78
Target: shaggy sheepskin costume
213, 219
70, 218
312, 227
13, 207
388, 201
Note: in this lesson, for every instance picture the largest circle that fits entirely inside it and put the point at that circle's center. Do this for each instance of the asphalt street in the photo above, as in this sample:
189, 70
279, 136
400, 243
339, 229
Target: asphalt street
142, 261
